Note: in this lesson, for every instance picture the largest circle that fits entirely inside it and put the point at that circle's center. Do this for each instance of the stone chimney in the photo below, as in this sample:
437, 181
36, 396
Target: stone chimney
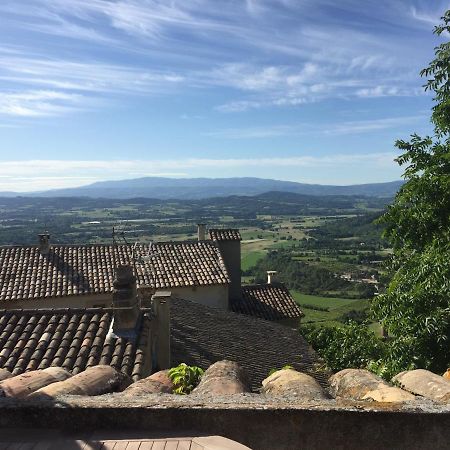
161, 310
126, 309
271, 274
44, 243
201, 231
228, 240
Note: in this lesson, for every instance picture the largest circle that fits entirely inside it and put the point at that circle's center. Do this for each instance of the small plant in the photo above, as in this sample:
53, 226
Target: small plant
185, 378
272, 371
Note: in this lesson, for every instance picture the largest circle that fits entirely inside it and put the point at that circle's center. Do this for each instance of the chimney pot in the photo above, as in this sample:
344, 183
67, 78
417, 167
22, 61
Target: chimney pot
44, 243
125, 303
271, 276
161, 301
201, 231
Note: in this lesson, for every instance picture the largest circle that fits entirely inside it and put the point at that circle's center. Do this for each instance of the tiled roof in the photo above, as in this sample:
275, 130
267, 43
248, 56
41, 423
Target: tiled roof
202, 336
89, 269
224, 234
267, 301
73, 339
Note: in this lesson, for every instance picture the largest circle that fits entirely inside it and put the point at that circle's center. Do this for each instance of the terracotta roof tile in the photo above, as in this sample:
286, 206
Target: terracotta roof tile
267, 301
89, 269
224, 234
72, 339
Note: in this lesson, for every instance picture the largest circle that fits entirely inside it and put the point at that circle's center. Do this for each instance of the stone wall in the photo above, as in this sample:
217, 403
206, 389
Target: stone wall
258, 422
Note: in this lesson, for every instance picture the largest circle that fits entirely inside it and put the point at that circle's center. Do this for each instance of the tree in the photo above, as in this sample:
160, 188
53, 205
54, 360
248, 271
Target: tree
352, 345
415, 310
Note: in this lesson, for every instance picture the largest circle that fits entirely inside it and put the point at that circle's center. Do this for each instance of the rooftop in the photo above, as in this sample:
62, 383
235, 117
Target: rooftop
202, 336
267, 301
74, 339
225, 234
89, 269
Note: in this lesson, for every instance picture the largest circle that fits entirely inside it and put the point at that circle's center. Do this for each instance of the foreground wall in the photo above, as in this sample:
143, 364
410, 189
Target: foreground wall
259, 424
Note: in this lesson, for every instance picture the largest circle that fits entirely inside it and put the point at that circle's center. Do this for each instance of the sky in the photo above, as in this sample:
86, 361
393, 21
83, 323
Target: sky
314, 91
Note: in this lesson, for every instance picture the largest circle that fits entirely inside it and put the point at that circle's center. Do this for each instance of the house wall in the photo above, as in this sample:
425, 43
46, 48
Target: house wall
215, 296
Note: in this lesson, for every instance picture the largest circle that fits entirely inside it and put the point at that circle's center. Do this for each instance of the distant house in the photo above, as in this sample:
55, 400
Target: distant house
205, 271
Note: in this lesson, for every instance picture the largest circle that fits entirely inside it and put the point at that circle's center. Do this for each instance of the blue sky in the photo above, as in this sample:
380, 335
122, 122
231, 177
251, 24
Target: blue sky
315, 91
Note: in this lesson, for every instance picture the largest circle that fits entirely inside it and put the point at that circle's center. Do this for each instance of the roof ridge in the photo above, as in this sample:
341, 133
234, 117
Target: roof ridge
53, 310
55, 244
265, 285
101, 244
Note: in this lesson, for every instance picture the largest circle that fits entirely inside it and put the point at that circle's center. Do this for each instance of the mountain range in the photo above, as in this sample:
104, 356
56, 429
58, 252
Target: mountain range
199, 188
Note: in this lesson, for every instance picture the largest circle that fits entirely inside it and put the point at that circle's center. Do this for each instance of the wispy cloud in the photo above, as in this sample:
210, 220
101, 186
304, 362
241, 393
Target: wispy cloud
335, 129
427, 17
38, 103
42, 86
296, 52
83, 76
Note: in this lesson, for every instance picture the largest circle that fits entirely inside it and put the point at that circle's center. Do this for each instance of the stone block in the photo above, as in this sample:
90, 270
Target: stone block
425, 383
158, 383
223, 377
293, 383
29, 382
360, 384
96, 380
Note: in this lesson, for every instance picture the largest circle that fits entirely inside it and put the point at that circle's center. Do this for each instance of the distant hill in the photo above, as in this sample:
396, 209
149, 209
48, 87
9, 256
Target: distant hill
199, 188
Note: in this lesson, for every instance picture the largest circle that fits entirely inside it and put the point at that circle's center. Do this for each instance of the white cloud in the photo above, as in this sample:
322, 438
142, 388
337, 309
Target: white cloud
387, 91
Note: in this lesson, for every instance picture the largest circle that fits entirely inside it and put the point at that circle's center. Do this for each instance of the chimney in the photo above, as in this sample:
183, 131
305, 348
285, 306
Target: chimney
271, 276
125, 303
201, 230
161, 310
44, 243
228, 240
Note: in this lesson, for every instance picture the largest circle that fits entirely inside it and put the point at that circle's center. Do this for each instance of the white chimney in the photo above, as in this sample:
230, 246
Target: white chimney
271, 276
44, 243
201, 230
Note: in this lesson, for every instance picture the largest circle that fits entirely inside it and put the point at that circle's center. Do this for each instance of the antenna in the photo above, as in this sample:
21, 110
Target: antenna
119, 233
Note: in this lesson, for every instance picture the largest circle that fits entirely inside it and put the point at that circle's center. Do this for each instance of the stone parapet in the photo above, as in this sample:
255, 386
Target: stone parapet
254, 420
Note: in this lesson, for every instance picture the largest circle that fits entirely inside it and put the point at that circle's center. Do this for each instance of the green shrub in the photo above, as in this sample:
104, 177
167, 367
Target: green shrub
185, 378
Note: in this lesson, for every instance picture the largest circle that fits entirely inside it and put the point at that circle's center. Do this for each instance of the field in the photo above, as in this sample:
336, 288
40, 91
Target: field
336, 307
